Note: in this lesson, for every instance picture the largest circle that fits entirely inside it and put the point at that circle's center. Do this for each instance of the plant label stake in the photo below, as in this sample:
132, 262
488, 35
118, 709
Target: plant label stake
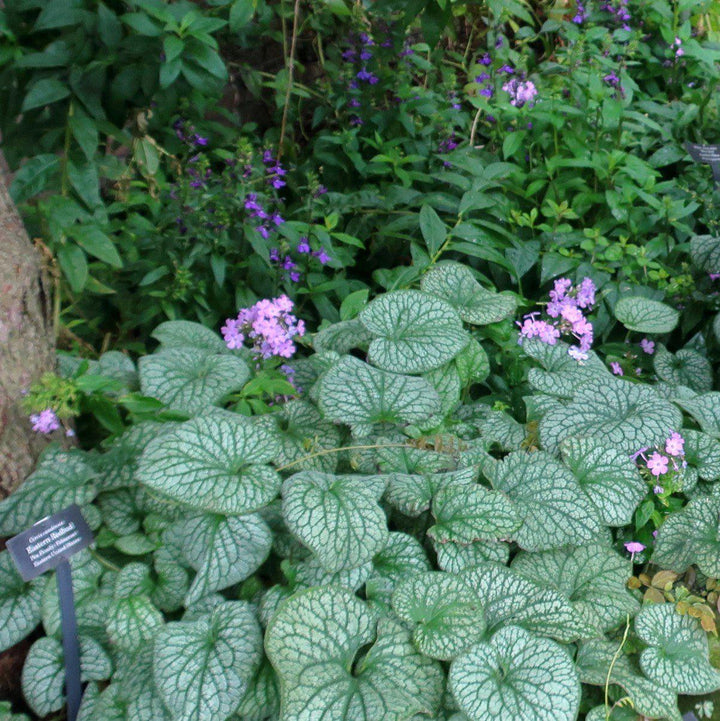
709, 154
47, 545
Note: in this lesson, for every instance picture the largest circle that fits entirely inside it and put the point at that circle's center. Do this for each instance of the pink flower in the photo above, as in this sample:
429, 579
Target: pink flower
616, 369
634, 547
658, 464
45, 422
648, 346
675, 445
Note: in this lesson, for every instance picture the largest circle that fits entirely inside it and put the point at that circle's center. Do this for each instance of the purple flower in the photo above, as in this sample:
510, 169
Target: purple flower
199, 140
482, 77
45, 422
354, 103
612, 79
586, 293
487, 92
634, 547
675, 445
364, 74
277, 219
322, 256
268, 157
232, 334
348, 55
274, 255
520, 92
303, 246
532, 328
648, 346
288, 263
616, 369
577, 353
294, 276
365, 55
485, 60
321, 190
277, 183
713, 276
658, 489
507, 69
657, 464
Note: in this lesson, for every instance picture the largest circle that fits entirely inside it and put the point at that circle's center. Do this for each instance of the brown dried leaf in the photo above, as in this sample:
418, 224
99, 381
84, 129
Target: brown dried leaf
662, 578
652, 595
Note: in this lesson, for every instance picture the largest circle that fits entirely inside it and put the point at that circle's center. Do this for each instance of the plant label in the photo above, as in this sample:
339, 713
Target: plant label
49, 542
708, 154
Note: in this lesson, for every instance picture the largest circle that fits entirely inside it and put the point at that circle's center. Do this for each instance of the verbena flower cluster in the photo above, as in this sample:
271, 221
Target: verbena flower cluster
566, 310
45, 422
269, 325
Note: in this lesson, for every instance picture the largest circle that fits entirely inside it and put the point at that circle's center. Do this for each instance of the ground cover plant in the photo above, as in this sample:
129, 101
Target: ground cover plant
398, 403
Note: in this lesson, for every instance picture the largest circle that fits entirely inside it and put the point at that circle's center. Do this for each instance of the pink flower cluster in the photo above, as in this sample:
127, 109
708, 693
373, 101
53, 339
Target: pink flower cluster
520, 91
671, 456
269, 324
45, 422
566, 308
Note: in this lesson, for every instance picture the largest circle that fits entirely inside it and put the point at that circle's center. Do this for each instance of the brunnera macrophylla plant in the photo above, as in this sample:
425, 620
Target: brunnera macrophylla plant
385, 543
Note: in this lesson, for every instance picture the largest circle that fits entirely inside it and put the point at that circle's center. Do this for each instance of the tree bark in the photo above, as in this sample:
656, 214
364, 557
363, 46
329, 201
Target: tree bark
26, 340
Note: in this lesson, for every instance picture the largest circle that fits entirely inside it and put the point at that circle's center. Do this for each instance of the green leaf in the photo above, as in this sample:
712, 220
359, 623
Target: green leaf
355, 393
61, 479
645, 315
684, 368
446, 615
677, 654
418, 331
19, 603
459, 557
402, 557
317, 644
84, 179
224, 550
33, 177
74, 265
177, 333
513, 600
702, 454
625, 415
337, 517
607, 475
342, 337
456, 284
705, 252
705, 409
44, 92
262, 699
91, 239
649, 698
593, 577
471, 513
241, 13
213, 463
691, 536
85, 132
412, 494
191, 379
552, 507
43, 675
433, 229
472, 364
516, 676
203, 668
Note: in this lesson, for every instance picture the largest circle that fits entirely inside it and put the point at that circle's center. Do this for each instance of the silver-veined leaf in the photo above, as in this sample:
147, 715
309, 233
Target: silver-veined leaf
705, 252
677, 655
516, 676
203, 668
684, 368
214, 463
415, 332
19, 603
342, 337
403, 556
705, 409
458, 557
185, 333
645, 315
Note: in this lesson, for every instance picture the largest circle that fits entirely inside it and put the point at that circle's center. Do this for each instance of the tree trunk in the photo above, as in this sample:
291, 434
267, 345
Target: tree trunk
26, 340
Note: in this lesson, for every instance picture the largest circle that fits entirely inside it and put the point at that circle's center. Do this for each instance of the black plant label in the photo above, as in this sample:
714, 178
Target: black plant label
708, 154
49, 542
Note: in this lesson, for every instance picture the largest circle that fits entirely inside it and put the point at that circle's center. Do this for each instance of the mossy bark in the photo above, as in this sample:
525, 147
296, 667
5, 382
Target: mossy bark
26, 340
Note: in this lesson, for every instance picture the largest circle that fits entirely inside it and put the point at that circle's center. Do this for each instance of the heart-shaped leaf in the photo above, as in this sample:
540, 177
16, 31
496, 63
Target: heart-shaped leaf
337, 517
416, 331
214, 463
645, 315
184, 333
203, 668
607, 475
516, 676
705, 409
684, 368
705, 252
19, 603
402, 557
190, 379
456, 284
446, 613
677, 655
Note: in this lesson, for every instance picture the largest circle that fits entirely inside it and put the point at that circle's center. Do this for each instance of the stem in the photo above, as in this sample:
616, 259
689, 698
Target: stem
102, 560
291, 73
473, 130
608, 709
328, 451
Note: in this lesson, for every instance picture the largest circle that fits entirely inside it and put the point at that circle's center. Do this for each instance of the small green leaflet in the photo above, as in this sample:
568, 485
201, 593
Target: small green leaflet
135, 687
626, 415
19, 603
43, 675
456, 284
468, 513
446, 613
337, 517
684, 368
691, 536
646, 316
516, 676
593, 578
705, 252
61, 479
677, 653
355, 393
417, 331
607, 475
553, 509
203, 668
214, 463
649, 698
705, 409
316, 643
511, 599
184, 333
224, 550
472, 363
191, 379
